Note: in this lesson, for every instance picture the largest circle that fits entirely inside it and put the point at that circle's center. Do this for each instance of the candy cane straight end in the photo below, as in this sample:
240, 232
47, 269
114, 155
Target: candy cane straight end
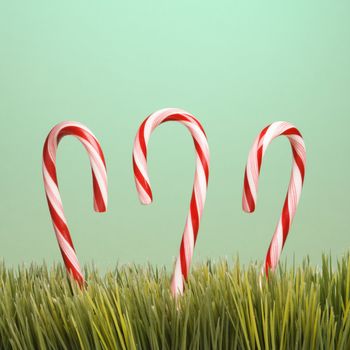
78, 277
266, 269
144, 198
143, 187
248, 202
178, 279
100, 207
177, 288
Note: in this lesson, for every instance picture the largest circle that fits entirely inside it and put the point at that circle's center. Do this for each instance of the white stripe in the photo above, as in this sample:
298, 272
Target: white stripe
53, 195
200, 186
98, 168
252, 173
68, 250
142, 194
177, 279
140, 160
188, 241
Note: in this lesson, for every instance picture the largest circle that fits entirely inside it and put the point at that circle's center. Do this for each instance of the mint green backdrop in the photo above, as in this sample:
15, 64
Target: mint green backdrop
237, 66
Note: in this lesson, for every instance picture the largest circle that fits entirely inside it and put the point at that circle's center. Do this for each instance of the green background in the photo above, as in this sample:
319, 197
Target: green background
237, 66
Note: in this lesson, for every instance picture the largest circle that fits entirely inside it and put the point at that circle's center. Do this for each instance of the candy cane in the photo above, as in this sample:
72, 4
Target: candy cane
99, 177
251, 178
189, 236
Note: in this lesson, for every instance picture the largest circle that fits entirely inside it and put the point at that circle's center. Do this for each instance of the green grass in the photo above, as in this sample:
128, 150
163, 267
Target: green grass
223, 307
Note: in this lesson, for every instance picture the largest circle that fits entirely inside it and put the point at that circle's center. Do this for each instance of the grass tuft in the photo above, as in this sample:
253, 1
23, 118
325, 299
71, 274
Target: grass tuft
223, 307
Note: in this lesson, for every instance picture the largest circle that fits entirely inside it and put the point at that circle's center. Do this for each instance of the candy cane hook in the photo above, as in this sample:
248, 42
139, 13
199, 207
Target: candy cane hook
189, 236
99, 177
251, 178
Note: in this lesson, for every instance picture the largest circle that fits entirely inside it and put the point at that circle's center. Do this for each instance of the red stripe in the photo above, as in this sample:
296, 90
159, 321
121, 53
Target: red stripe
71, 269
100, 203
268, 261
263, 132
300, 163
285, 220
141, 180
60, 224
194, 216
259, 153
49, 164
297, 158
203, 159
141, 138
248, 193
184, 268
291, 131
199, 124
177, 118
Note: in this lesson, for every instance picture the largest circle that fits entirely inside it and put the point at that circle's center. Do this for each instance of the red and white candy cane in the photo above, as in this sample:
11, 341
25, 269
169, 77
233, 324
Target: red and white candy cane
142, 181
251, 178
99, 177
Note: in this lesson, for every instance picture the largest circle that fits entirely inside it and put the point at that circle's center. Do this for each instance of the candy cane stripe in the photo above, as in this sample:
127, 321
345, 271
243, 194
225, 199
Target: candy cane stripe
99, 180
143, 187
66, 248
203, 160
52, 194
183, 260
251, 178
142, 181
60, 224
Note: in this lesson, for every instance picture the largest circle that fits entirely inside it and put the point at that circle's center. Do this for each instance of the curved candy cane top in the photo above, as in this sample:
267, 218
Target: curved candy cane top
200, 181
99, 177
251, 179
